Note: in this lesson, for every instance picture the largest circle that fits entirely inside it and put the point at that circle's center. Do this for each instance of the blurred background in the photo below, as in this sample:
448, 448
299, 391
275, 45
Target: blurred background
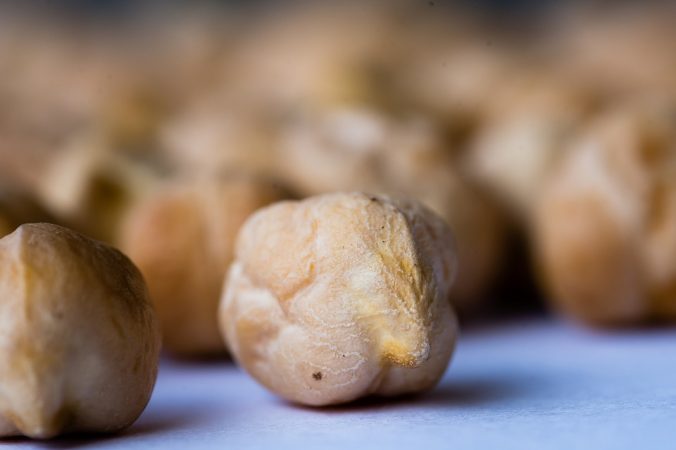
544, 133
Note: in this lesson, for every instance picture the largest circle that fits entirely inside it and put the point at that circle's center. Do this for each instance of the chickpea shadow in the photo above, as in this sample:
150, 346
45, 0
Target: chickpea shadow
219, 359
455, 394
153, 422
470, 393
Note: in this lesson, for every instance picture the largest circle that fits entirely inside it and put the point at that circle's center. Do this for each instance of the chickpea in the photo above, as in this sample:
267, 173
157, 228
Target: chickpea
80, 345
341, 296
606, 224
182, 238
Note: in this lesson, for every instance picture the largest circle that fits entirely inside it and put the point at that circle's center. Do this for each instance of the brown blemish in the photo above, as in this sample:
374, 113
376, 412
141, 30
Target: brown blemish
317, 376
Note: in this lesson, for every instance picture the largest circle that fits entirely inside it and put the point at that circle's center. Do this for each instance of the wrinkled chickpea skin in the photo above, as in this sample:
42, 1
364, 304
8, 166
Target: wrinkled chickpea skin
342, 296
79, 346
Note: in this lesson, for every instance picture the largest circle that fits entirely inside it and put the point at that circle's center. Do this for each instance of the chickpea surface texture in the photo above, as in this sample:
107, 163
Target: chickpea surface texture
342, 296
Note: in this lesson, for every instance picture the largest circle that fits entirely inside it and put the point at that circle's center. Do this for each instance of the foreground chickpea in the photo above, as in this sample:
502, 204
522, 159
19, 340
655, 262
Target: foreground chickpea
79, 344
182, 238
341, 296
606, 225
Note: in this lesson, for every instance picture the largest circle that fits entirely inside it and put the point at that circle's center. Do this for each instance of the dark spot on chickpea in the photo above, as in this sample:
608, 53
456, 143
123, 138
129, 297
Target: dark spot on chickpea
317, 376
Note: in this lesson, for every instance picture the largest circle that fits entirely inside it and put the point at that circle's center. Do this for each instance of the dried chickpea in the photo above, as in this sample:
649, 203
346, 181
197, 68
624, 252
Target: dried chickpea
606, 224
341, 296
182, 238
80, 344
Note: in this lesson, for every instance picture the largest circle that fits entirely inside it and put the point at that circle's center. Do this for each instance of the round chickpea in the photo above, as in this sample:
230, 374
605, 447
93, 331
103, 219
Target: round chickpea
341, 296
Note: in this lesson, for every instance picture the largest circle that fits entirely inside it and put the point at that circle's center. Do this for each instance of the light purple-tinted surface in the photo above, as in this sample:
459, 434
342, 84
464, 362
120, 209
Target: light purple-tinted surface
535, 384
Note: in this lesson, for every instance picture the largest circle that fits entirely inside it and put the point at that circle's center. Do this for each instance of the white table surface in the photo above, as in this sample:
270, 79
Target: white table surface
537, 384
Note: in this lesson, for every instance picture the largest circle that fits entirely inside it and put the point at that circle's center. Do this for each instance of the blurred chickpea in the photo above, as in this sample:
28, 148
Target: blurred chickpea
617, 51
182, 238
212, 137
341, 296
79, 348
330, 68
92, 186
526, 131
333, 149
606, 223
454, 79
